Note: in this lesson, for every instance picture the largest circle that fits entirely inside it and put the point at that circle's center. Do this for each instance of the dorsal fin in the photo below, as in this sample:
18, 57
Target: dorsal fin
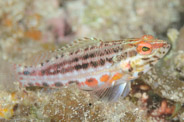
39, 57
47, 56
80, 44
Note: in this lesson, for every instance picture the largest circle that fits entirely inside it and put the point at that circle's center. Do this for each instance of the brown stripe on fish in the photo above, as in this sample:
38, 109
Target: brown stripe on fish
58, 84
100, 45
53, 69
106, 47
130, 69
94, 64
148, 62
103, 45
151, 61
110, 60
159, 52
121, 57
132, 53
124, 55
145, 58
26, 72
45, 84
77, 66
89, 56
92, 55
30, 84
80, 66
72, 82
102, 62
156, 57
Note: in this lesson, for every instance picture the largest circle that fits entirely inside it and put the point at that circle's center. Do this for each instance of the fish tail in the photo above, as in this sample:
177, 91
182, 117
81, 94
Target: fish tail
8, 75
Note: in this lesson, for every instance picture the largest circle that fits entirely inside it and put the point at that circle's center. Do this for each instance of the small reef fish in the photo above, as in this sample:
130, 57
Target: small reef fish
106, 68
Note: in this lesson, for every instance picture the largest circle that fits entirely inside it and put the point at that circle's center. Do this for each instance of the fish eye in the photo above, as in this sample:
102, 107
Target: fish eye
145, 49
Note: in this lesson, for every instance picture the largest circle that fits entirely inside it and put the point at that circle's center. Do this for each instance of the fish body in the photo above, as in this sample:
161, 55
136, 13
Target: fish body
103, 67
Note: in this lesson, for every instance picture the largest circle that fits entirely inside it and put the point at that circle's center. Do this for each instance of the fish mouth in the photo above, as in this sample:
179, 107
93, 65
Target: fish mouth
163, 50
166, 48
169, 47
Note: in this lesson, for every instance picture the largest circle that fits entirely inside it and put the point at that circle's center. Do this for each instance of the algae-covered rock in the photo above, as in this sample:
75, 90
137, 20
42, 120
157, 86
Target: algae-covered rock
165, 82
31, 26
67, 104
180, 41
73, 104
179, 64
121, 18
158, 108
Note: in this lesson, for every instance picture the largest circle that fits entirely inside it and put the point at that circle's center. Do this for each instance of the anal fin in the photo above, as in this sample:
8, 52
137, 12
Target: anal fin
112, 93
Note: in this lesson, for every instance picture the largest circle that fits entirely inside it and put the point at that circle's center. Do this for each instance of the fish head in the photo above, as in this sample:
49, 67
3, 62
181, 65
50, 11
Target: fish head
148, 52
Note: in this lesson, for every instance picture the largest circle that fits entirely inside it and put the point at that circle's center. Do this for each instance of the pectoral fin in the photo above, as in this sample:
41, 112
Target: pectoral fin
114, 92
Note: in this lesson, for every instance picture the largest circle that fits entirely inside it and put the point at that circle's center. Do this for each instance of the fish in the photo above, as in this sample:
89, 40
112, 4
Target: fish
103, 68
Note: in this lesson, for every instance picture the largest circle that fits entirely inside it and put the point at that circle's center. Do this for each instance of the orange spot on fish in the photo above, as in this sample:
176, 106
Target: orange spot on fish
104, 78
91, 82
117, 76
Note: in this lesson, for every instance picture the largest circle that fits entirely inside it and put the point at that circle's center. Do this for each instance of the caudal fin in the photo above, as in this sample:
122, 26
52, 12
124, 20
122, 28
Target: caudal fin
7, 76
